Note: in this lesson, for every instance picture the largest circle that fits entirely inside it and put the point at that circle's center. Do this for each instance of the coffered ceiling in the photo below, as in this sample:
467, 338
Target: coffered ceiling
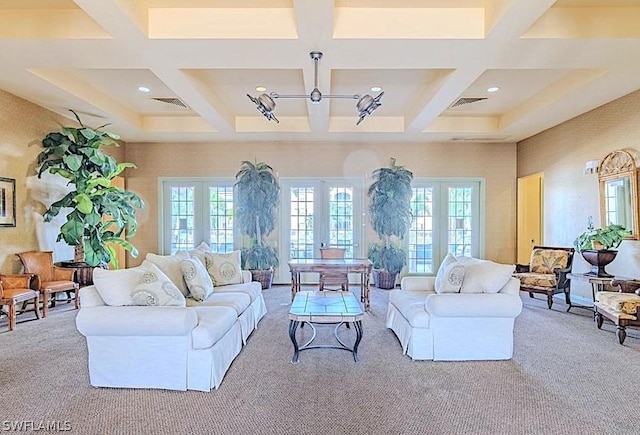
552, 61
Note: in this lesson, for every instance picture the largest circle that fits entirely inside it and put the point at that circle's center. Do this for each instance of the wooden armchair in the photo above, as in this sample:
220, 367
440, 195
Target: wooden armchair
14, 290
622, 308
49, 280
547, 272
333, 278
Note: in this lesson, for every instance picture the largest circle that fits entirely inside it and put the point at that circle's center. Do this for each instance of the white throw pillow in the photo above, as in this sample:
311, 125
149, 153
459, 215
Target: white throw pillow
155, 288
450, 275
197, 279
200, 252
224, 269
170, 265
114, 286
484, 276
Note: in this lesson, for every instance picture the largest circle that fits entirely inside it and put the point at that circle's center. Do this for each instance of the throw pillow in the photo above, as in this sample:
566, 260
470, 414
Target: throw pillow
197, 279
224, 268
114, 286
484, 276
170, 265
200, 252
450, 275
156, 289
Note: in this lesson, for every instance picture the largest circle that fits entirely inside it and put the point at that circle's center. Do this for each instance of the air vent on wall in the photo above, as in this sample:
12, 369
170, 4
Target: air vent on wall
467, 100
173, 101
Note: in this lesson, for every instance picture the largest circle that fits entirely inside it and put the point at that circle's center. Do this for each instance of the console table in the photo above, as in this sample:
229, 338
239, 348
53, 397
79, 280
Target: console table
347, 265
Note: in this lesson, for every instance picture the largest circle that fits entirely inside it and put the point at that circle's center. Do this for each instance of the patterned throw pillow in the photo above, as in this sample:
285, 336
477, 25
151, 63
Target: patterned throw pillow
170, 266
197, 278
450, 275
156, 289
224, 269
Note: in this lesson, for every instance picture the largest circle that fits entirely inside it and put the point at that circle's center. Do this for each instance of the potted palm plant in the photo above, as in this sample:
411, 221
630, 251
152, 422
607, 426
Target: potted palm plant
256, 204
390, 214
100, 215
598, 246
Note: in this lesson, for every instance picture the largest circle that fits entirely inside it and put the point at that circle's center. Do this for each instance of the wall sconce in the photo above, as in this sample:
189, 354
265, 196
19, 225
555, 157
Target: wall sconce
591, 167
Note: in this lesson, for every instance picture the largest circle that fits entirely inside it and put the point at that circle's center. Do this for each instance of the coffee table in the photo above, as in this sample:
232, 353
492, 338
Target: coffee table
326, 307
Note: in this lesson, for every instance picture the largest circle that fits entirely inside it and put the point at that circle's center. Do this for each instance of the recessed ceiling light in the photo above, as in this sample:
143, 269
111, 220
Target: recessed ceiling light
260, 88
493, 89
143, 89
376, 88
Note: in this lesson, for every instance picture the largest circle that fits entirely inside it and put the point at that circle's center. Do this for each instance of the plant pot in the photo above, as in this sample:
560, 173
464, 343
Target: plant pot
264, 277
598, 260
384, 280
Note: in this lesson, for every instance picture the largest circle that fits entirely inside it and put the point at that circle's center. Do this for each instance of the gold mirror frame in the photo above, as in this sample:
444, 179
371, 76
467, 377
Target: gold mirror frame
619, 165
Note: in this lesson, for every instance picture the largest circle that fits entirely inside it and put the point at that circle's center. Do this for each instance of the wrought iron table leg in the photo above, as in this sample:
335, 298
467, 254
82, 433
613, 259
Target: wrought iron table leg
293, 325
358, 325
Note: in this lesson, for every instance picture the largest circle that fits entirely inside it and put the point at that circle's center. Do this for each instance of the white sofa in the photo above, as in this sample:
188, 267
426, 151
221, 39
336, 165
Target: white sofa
168, 347
453, 326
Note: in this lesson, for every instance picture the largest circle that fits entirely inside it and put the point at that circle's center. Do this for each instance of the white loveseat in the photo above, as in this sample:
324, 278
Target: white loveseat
170, 347
474, 325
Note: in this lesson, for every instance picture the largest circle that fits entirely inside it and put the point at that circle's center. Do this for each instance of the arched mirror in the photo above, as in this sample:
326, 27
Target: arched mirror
618, 176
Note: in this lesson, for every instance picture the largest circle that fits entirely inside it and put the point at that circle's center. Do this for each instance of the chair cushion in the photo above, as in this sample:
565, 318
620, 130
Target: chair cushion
197, 278
536, 280
224, 268
623, 302
450, 275
545, 260
58, 286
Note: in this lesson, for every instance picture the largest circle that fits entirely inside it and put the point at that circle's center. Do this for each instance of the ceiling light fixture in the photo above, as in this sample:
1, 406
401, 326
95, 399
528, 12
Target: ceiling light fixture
260, 88
365, 106
143, 89
493, 89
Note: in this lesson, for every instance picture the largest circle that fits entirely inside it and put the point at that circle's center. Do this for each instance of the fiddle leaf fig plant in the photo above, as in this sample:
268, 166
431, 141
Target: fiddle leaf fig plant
101, 214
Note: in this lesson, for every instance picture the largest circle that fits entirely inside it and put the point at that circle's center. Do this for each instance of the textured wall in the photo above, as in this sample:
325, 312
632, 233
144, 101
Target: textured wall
571, 197
494, 162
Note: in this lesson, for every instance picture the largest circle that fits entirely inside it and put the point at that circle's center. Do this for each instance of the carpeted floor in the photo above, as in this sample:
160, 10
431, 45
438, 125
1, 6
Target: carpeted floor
566, 377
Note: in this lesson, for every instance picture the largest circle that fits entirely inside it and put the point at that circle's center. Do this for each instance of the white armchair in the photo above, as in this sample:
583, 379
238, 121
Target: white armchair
453, 326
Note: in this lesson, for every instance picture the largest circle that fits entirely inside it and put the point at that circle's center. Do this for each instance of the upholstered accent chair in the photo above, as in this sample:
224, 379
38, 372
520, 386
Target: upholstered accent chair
547, 272
49, 279
332, 278
622, 308
16, 290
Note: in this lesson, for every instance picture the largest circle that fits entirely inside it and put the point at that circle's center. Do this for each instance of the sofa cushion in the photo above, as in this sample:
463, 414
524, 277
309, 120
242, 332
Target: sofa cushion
545, 260
156, 289
170, 265
224, 268
197, 278
450, 275
411, 305
114, 286
238, 301
213, 324
253, 289
484, 276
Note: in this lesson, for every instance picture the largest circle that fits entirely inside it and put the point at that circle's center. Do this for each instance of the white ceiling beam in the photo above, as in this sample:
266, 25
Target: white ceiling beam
122, 19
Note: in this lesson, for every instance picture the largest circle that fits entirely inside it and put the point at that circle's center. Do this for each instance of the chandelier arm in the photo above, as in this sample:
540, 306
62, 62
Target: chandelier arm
274, 95
350, 97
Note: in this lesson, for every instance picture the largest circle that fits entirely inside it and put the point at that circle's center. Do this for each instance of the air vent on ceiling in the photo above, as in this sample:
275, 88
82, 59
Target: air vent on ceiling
173, 101
467, 100
479, 138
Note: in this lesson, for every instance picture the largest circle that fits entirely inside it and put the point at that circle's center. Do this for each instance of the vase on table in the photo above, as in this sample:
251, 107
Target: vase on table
598, 259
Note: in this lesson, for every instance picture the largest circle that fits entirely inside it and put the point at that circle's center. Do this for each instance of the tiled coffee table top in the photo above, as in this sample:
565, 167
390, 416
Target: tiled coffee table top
325, 307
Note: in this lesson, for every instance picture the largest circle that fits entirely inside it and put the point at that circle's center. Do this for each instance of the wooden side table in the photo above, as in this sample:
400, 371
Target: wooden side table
598, 284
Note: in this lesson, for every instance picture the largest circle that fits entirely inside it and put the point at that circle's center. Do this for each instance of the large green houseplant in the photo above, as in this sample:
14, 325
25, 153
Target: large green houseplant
256, 198
598, 246
390, 214
100, 215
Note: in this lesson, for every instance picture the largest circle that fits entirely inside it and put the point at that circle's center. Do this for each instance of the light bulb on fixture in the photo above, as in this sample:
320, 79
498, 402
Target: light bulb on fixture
365, 106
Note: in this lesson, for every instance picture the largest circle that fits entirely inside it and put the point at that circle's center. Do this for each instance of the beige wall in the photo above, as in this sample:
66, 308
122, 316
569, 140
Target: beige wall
496, 163
23, 125
571, 197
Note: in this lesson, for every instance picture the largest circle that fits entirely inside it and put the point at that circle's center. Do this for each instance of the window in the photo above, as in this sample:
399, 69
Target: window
194, 211
446, 218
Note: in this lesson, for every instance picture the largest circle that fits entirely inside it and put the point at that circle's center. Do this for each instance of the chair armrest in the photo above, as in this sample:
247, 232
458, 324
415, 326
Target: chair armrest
522, 268
246, 276
136, 321
418, 283
473, 305
21, 280
64, 274
561, 277
627, 285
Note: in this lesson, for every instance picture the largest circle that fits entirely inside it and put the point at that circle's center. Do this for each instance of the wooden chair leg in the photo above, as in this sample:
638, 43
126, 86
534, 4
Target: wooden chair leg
36, 307
12, 317
531, 295
76, 299
621, 333
45, 304
549, 301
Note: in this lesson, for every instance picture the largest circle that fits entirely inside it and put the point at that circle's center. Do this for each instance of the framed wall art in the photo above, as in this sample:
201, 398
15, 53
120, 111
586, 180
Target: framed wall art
7, 202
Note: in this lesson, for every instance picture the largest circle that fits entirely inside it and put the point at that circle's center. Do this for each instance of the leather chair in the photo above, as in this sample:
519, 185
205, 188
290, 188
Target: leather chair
332, 278
547, 272
49, 280
14, 290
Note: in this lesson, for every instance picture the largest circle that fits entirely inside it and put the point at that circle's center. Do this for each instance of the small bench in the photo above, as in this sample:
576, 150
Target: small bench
622, 308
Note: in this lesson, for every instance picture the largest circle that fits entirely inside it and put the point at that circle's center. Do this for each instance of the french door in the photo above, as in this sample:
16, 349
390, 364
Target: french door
319, 212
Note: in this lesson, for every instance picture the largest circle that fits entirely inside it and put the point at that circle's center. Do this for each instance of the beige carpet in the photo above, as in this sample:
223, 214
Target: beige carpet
566, 377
